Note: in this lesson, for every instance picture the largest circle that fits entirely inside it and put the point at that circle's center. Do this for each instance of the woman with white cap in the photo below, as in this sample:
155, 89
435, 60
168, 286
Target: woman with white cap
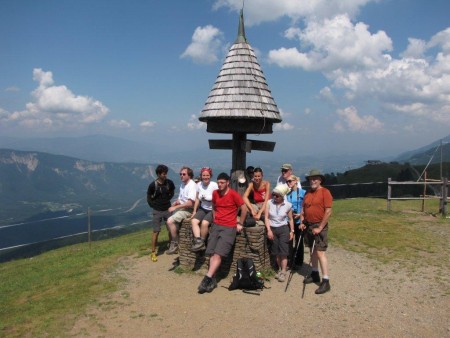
280, 228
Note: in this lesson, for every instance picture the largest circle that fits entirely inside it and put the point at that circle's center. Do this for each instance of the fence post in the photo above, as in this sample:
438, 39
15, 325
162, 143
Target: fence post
389, 195
89, 226
444, 196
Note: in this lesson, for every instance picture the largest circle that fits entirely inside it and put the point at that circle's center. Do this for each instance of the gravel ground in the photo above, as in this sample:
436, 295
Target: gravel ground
367, 299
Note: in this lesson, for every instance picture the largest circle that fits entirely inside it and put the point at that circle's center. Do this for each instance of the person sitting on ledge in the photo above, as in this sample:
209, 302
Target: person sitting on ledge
202, 213
181, 208
260, 190
226, 203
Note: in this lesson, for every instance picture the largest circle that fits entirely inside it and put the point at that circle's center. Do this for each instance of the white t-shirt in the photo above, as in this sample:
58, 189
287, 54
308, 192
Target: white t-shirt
205, 194
187, 192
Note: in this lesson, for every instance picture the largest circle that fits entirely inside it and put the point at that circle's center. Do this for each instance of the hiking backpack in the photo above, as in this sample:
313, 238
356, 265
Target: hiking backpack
245, 277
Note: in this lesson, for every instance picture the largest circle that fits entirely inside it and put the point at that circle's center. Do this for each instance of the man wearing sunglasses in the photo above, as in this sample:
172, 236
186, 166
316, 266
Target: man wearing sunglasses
182, 207
286, 172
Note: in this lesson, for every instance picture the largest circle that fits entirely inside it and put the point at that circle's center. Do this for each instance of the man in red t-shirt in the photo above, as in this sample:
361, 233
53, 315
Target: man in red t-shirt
316, 211
226, 204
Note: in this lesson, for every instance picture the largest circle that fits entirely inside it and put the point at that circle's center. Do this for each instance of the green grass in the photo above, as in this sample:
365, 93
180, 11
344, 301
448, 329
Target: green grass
42, 296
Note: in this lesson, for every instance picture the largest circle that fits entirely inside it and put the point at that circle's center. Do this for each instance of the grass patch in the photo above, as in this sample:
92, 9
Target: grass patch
43, 295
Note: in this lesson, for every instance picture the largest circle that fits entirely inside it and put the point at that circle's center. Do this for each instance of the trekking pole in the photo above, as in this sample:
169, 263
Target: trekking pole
291, 273
310, 261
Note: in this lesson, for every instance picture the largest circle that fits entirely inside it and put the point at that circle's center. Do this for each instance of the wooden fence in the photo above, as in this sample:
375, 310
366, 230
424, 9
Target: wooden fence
443, 198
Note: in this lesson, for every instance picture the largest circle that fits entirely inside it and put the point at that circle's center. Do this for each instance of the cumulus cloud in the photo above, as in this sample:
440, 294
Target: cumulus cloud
56, 106
333, 43
360, 67
194, 123
205, 46
350, 120
258, 11
119, 124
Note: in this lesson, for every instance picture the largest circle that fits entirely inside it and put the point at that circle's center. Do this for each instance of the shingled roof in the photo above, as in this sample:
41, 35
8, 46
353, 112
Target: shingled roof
240, 90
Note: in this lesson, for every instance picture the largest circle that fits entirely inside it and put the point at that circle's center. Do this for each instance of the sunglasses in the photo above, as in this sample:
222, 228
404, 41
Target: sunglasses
284, 170
183, 174
276, 195
290, 181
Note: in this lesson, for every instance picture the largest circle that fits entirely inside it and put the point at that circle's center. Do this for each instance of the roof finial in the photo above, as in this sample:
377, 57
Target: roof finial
241, 30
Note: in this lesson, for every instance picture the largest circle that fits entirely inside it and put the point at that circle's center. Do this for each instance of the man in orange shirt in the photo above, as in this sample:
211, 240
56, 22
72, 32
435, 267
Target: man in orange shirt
316, 211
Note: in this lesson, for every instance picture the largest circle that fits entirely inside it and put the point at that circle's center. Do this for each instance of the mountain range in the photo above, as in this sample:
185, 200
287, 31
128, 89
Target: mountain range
46, 194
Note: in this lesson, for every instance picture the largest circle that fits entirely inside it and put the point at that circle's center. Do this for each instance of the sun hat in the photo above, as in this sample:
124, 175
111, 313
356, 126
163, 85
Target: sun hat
315, 172
281, 189
287, 166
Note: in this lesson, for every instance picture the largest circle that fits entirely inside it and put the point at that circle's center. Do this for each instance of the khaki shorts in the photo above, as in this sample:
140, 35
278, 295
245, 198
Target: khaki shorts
321, 239
179, 215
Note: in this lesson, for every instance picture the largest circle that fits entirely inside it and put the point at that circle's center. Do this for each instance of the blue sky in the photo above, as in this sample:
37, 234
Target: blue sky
354, 76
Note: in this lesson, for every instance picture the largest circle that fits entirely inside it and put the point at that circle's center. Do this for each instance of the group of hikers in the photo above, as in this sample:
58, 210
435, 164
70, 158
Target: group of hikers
217, 213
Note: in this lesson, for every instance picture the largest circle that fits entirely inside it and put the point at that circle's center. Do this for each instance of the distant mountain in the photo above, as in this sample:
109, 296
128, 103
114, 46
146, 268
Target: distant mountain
429, 152
33, 183
91, 148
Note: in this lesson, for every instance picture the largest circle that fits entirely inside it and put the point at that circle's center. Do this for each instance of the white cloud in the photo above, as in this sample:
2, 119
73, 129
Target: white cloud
360, 68
350, 120
283, 126
56, 106
147, 124
205, 46
194, 123
258, 11
12, 89
333, 43
119, 124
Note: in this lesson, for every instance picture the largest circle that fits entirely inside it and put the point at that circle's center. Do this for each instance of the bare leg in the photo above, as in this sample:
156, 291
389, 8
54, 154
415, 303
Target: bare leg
283, 263
323, 262
214, 264
204, 229
172, 227
195, 224
154, 240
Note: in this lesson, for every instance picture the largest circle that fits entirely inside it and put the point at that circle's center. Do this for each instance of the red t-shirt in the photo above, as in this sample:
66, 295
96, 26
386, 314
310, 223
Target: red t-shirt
315, 203
226, 207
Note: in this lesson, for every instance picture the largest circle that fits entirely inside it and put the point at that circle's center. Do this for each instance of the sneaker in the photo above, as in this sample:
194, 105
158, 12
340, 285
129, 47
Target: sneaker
153, 257
204, 284
199, 245
173, 249
324, 287
313, 278
281, 277
277, 275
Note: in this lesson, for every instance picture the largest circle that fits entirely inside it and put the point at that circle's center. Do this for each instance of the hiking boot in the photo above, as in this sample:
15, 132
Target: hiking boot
324, 287
205, 285
173, 249
153, 257
281, 277
212, 285
313, 278
199, 245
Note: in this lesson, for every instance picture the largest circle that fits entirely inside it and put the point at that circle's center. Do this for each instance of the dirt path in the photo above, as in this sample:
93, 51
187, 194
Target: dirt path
367, 299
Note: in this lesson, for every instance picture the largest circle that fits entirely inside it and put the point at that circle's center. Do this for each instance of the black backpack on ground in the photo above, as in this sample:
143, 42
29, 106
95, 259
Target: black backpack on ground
245, 277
